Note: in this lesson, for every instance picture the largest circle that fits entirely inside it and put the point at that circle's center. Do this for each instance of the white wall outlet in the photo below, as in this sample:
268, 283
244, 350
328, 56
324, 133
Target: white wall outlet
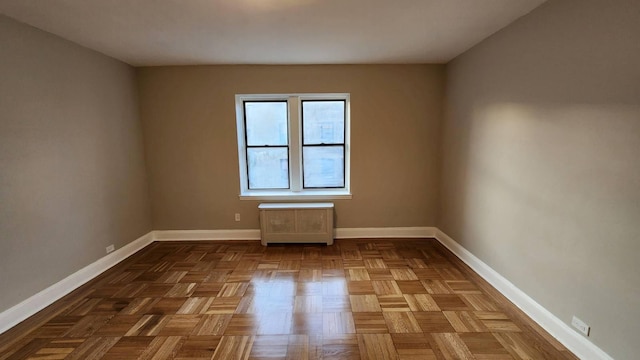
237, 216
580, 325
110, 248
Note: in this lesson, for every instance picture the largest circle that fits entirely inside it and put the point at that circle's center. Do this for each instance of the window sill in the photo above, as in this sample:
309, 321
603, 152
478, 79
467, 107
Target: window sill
308, 195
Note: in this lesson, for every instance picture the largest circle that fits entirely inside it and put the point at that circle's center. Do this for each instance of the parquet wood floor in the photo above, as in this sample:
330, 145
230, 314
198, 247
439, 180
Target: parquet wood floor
358, 299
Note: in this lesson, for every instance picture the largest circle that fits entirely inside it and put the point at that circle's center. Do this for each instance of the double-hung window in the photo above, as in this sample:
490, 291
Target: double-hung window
293, 146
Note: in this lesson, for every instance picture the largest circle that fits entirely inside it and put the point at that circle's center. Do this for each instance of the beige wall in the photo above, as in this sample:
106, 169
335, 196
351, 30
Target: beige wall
541, 175
188, 116
72, 176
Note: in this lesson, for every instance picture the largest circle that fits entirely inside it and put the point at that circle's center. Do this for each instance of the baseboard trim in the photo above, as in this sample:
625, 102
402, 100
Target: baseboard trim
254, 234
385, 232
190, 235
18, 313
575, 342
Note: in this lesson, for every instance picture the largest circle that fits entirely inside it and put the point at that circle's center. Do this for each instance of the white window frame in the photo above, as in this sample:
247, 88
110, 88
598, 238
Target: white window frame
294, 126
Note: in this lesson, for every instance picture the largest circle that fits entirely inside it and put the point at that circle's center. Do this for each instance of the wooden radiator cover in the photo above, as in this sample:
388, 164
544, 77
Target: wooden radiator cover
296, 223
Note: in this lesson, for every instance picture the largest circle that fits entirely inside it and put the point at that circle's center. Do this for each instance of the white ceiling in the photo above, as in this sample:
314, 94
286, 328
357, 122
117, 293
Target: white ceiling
181, 32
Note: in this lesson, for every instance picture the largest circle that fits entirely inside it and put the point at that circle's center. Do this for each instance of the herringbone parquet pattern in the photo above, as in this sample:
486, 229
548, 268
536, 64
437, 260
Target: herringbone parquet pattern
357, 299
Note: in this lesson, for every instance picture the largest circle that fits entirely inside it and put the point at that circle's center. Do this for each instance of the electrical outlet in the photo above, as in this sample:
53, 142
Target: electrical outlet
237, 216
110, 248
580, 325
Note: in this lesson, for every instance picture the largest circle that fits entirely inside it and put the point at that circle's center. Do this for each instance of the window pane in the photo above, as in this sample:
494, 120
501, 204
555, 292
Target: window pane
323, 122
266, 123
268, 168
323, 166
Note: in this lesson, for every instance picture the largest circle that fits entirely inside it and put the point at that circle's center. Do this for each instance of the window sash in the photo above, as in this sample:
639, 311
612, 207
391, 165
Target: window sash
344, 120
247, 146
322, 144
249, 170
304, 185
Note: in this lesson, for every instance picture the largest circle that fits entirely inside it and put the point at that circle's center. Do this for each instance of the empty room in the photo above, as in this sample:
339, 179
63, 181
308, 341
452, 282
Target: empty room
319, 179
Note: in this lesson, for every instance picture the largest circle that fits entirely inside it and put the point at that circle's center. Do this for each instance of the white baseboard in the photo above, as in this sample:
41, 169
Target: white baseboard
18, 313
575, 342
254, 234
385, 232
187, 235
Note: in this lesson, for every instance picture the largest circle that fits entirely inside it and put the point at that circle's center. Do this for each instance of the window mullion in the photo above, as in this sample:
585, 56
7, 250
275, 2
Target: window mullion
295, 160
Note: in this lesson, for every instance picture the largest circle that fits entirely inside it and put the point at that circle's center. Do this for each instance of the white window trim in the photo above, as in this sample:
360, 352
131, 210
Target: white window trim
296, 192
